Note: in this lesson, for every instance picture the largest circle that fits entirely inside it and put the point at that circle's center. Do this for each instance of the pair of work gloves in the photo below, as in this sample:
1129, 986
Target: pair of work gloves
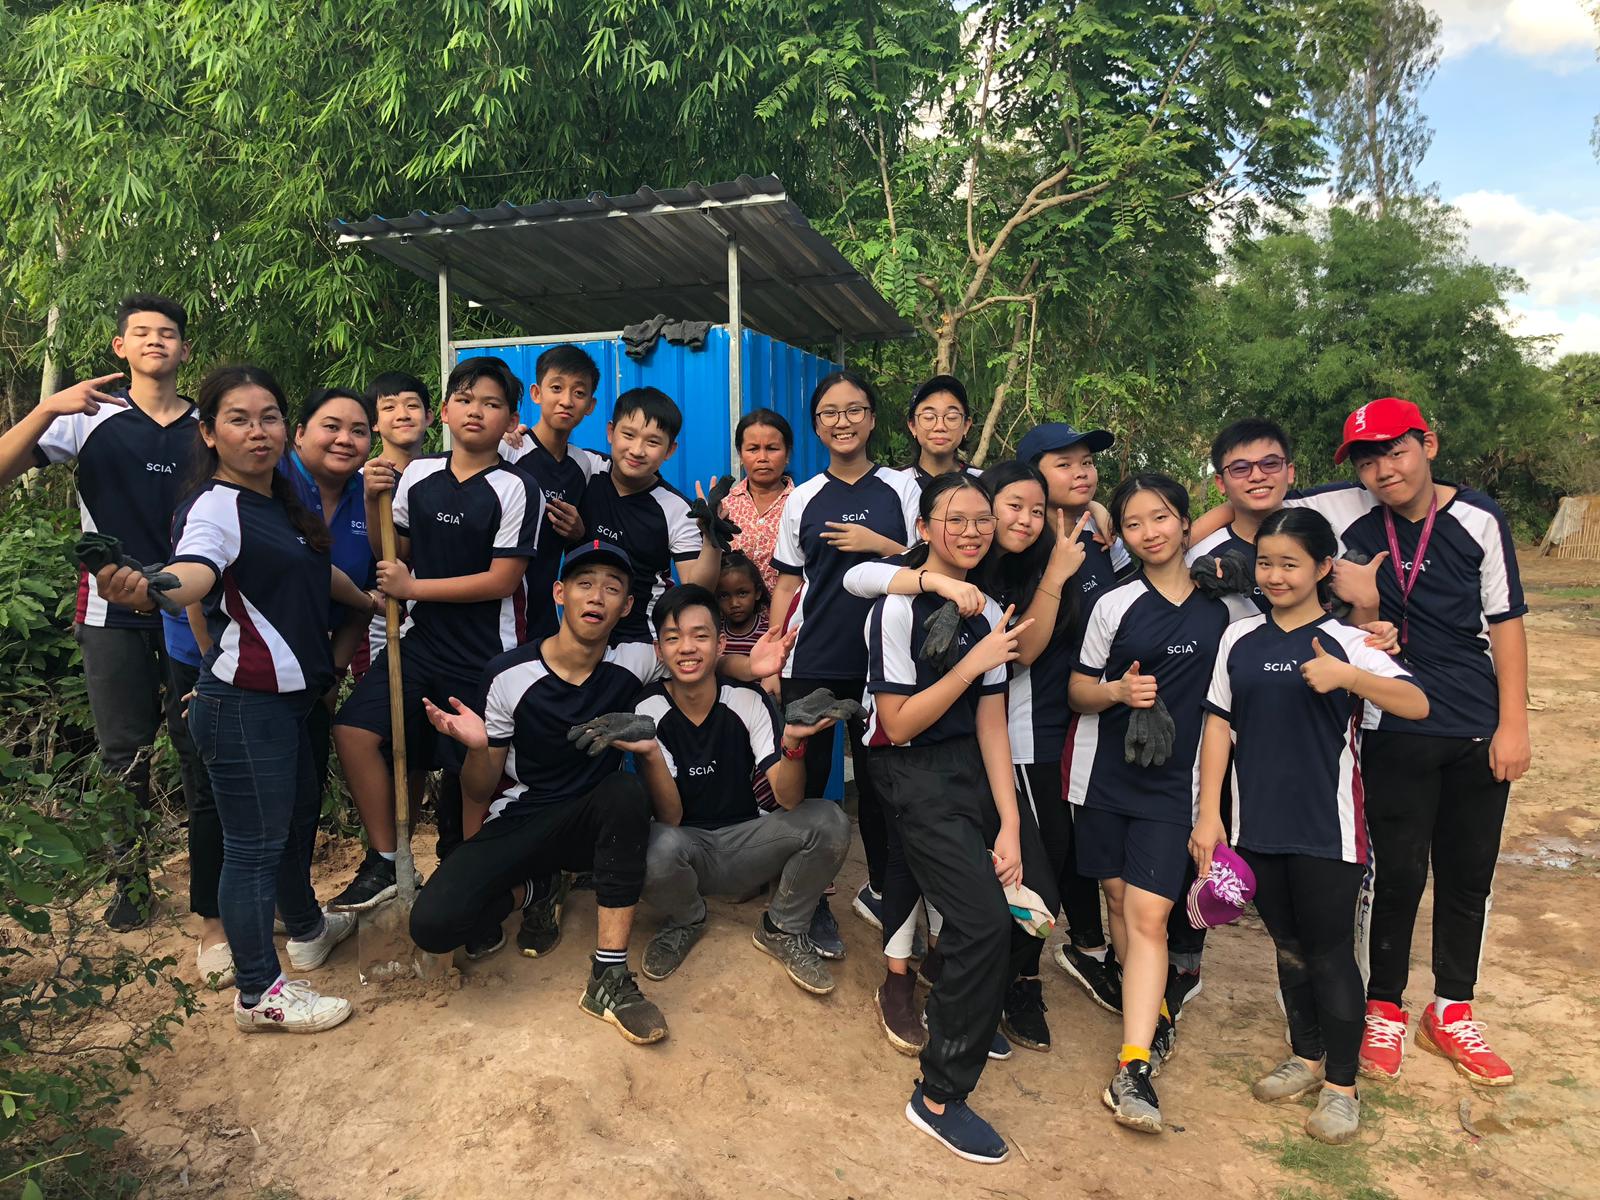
97, 551
707, 512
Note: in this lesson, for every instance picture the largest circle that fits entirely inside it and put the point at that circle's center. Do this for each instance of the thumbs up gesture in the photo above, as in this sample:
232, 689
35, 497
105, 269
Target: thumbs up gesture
1136, 690
1323, 672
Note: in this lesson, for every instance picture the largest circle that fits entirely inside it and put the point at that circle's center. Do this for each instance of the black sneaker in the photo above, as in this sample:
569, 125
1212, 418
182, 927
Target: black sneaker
1182, 987
373, 884
824, 933
1102, 980
960, 1130
1131, 1097
541, 922
668, 949
615, 998
486, 942
130, 907
1023, 1020
1163, 1046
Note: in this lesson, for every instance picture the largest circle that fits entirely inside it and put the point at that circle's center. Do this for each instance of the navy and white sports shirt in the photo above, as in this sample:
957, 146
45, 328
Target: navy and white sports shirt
720, 764
1296, 754
894, 640
268, 612
557, 479
529, 708
1226, 541
1038, 712
830, 645
130, 470
1177, 643
1469, 581
654, 527
459, 527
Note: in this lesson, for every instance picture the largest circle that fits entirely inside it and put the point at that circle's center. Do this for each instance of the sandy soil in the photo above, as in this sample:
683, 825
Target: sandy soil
494, 1081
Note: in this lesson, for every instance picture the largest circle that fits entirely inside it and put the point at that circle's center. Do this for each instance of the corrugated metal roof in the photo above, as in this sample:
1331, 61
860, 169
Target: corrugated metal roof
602, 262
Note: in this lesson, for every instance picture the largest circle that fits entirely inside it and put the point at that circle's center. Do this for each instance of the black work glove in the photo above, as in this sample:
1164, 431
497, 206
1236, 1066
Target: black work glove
1151, 733
940, 644
97, 551
596, 736
1340, 609
707, 511
820, 704
1237, 578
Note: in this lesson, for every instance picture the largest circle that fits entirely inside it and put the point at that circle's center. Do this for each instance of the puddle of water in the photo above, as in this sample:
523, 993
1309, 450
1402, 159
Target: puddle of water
1561, 853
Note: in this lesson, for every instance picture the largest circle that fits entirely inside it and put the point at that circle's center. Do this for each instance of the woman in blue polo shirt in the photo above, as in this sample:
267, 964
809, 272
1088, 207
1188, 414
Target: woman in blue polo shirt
1149, 643
1291, 692
853, 512
258, 562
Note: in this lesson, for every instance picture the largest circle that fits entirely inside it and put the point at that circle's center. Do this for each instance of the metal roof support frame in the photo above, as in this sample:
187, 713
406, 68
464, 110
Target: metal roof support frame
735, 352
446, 350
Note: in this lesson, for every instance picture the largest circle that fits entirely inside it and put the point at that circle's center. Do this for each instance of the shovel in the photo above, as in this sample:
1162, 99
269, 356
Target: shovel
383, 934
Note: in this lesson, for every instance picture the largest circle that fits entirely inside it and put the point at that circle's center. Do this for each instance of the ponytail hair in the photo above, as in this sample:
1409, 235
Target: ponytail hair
217, 384
1316, 537
955, 481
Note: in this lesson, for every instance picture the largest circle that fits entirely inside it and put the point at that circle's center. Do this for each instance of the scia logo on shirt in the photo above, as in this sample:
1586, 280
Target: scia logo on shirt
1184, 648
447, 518
161, 468
860, 516
611, 535
1280, 666
710, 768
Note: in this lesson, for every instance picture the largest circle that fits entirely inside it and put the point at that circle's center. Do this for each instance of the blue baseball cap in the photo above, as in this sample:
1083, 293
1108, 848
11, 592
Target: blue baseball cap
596, 553
1058, 435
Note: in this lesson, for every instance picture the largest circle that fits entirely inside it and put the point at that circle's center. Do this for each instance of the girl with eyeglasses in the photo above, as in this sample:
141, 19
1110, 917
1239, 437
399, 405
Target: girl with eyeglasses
941, 760
939, 421
854, 511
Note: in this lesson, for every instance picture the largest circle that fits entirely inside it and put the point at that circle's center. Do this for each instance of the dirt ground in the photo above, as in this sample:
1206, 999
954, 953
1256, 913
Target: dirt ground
496, 1082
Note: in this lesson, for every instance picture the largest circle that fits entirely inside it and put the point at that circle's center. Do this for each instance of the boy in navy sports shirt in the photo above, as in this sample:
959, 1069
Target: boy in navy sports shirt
628, 503
132, 446
467, 525
404, 411
1444, 570
564, 389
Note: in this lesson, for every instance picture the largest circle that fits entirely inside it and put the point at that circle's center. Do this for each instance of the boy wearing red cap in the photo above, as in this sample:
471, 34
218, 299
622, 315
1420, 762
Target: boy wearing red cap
1444, 570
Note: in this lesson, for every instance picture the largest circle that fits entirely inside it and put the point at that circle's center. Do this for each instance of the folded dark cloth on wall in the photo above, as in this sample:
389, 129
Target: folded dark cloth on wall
638, 340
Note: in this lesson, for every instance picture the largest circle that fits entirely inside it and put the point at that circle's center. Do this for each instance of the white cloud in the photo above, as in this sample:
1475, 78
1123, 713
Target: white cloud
1556, 253
1554, 31
1575, 332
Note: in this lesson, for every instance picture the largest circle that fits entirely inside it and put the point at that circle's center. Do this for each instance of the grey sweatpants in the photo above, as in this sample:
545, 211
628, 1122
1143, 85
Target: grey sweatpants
802, 848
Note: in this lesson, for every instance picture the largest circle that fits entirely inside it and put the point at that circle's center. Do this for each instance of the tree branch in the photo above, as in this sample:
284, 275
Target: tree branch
977, 137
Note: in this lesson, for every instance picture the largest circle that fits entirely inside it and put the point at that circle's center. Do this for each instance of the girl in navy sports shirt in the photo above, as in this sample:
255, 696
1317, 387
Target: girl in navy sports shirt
1151, 638
1290, 693
259, 563
942, 763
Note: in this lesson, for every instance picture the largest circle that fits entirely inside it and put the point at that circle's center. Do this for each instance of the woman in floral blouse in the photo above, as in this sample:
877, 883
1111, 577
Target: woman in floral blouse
755, 504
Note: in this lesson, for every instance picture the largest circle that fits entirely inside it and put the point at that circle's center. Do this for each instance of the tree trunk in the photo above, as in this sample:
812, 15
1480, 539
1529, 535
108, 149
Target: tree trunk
1380, 186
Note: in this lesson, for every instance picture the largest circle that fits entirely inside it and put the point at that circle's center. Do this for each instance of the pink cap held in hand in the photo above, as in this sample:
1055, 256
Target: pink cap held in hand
1220, 898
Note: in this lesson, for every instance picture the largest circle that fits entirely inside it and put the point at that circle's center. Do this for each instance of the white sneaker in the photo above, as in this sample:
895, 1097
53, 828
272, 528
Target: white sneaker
216, 966
309, 955
291, 1006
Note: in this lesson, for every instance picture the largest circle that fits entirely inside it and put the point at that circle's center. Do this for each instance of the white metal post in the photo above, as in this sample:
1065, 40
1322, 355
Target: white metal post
444, 340
838, 349
735, 350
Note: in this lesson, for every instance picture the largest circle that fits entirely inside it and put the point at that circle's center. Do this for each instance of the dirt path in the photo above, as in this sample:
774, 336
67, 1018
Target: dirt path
501, 1083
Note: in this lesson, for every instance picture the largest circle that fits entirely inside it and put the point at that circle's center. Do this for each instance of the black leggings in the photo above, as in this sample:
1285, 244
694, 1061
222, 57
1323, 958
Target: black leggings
1430, 798
1039, 793
938, 797
1309, 907
605, 831
819, 765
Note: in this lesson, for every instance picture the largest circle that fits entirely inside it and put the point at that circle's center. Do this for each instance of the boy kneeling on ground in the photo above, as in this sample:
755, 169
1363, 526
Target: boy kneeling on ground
728, 790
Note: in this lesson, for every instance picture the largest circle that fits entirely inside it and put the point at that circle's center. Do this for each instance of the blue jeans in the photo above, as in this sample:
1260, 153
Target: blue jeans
258, 754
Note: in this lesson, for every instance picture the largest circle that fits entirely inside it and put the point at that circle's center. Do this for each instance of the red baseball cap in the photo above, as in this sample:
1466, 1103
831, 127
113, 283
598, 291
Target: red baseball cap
1380, 421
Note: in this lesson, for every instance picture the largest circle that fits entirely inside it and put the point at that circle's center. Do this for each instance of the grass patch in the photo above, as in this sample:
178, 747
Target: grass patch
1566, 1081
1343, 1171
1400, 1103
1573, 593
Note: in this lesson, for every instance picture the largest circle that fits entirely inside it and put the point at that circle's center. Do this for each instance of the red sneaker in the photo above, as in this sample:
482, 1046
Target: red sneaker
1383, 1042
1459, 1038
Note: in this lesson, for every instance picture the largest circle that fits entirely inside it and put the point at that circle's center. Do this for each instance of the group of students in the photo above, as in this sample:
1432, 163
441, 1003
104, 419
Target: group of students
1037, 691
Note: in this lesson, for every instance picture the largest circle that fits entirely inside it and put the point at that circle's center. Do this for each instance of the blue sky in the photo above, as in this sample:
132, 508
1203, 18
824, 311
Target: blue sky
1512, 108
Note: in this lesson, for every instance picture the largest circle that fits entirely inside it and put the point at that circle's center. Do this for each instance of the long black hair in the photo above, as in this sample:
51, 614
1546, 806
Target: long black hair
1165, 486
1311, 529
217, 384
738, 561
936, 487
768, 419
1016, 577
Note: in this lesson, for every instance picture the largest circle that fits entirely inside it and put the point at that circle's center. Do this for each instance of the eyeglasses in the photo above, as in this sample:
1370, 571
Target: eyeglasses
959, 524
855, 414
1240, 468
927, 418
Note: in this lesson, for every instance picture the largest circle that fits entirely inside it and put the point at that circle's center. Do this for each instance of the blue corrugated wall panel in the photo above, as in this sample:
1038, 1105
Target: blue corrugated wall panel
776, 376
